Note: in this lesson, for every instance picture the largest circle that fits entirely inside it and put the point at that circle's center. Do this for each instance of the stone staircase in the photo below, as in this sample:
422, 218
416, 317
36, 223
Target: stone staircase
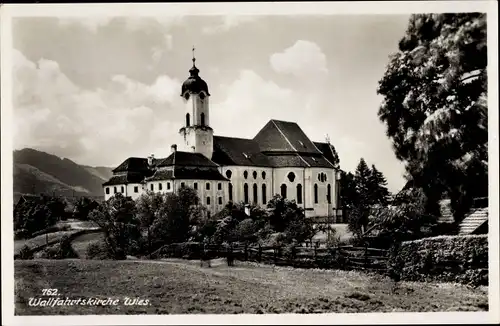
473, 221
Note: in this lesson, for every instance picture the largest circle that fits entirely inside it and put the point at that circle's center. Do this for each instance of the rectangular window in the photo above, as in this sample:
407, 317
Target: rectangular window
107, 190
195, 186
220, 200
114, 190
136, 189
182, 184
152, 187
208, 200
122, 190
168, 185
160, 186
219, 186
208, 186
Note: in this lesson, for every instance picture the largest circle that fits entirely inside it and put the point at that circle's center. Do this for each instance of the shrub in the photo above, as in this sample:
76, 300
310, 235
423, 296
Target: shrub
99, 251
21, 234
61, 250
462, 259
25, 253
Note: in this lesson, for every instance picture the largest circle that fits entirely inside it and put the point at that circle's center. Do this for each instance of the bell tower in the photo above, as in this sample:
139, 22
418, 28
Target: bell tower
196, 133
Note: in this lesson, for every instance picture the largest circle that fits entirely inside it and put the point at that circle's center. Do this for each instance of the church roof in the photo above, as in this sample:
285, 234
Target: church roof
185, 172
284, 136
129, 177
180, 158
328, 151
238, 151
133, 164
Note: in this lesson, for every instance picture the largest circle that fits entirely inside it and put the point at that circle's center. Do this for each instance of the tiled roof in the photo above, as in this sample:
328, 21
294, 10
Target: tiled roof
284, 136
125, 179
200, 173
133, 164
317, 161
328, 151
186, 159
291, 160
238, 151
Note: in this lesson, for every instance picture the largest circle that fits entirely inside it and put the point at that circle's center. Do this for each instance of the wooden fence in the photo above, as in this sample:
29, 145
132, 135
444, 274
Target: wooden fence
342, 257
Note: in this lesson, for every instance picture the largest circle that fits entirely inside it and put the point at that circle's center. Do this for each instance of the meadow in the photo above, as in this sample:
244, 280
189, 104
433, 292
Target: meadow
183, 287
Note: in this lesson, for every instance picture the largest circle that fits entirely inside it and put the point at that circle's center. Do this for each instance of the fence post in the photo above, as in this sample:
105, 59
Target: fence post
259, 257
366, 255
275, 255
246, 251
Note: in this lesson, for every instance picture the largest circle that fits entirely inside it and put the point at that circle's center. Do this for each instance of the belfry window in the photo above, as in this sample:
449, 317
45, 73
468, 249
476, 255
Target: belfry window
187, 120
202, 119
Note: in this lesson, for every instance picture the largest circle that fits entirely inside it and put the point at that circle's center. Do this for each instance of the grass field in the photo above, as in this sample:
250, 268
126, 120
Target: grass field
81, 242
41, 239
183, 287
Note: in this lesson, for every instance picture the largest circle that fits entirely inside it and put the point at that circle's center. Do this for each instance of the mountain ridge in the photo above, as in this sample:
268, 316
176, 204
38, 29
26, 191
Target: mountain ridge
38, 172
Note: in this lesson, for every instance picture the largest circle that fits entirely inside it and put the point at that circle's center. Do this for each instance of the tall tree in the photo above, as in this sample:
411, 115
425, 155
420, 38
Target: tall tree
362, 179
379, 194
348, 194
435, 106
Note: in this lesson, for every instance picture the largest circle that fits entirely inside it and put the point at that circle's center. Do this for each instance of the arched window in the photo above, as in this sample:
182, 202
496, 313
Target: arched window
291, 176
202, 119
264, 195
229, 174
263, 175
187, 120
245, 174
299, 194
254, 174
283, 191
245, 193
315, 193
230, 191
329, 194
255, 193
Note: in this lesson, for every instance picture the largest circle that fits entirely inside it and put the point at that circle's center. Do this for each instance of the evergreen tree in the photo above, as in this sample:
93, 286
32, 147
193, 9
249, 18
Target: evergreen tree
348, 191
435, 106
362, 179
379, 194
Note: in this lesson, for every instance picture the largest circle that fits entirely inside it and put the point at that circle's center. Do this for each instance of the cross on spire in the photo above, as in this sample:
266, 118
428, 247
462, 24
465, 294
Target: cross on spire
194, 59
327, 138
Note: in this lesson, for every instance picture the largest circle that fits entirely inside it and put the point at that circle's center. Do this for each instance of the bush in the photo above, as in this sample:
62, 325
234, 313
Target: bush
25, 253
21, 234
99, 251
61, 250
51, 229
462, 259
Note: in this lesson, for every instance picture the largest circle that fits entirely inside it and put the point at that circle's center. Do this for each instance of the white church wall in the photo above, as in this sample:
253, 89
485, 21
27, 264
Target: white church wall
238, 181
281, 178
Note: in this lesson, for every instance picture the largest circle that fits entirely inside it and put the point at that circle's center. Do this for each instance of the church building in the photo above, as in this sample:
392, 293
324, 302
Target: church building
280, 159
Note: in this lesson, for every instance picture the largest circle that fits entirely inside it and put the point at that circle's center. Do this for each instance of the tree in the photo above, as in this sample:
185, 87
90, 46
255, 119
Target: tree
150, 208
117, 218
362, 180
36, 214
435, 106
348, 192
379, 194
83, 207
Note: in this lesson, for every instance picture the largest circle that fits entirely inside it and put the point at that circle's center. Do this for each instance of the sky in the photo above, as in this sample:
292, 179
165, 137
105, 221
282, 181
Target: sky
100, 90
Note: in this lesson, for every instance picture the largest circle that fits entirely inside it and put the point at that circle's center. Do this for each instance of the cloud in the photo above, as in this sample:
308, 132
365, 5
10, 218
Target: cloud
90, 23
102, 126
250, 102
303, 59
228, 22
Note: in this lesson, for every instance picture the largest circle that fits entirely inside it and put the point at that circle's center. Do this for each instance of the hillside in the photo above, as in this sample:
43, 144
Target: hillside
40, 172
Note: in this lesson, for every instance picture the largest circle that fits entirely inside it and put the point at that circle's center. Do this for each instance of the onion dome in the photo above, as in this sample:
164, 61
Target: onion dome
194, 84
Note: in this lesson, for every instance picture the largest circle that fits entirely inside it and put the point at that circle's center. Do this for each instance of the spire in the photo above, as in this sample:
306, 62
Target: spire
194, 71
